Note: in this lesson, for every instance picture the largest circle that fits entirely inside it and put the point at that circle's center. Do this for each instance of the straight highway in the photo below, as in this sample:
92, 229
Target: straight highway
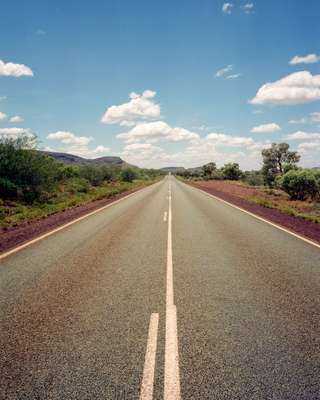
167, 294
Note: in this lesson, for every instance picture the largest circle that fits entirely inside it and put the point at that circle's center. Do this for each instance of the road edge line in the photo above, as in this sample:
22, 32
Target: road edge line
60, 228
309, 241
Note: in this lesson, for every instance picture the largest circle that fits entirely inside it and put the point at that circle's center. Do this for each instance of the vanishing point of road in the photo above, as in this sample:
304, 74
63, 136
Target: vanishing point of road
167, 294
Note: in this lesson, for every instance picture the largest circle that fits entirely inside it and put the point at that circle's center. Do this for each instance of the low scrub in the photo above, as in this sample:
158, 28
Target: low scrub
34, 185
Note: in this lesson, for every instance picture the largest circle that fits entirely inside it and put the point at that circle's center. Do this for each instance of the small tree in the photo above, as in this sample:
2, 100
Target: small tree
276, 159
208, 170
25, 169
231, 171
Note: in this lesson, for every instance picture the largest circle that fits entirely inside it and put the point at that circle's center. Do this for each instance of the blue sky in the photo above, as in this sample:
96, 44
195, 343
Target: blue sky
77, 59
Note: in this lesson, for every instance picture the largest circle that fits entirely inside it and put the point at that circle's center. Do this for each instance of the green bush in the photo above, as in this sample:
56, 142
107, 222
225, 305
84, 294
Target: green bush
78, 185
208, 170
253, 178
231, 171
299, 184
92, 173
29, 170
8, 189
31, 176
128, 175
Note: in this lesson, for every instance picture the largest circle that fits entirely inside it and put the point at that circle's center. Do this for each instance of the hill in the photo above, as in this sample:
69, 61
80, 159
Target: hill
77, 160
173, 170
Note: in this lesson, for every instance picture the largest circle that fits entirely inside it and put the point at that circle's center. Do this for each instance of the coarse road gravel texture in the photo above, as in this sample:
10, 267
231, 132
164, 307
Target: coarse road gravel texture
75, 307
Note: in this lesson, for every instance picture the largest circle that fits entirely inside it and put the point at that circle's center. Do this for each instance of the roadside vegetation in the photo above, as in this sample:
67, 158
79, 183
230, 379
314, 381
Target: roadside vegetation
33, 185
279, 184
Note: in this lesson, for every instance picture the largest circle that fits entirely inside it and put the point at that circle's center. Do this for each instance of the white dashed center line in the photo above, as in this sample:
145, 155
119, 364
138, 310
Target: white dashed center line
171, 356
150, 359
171, 368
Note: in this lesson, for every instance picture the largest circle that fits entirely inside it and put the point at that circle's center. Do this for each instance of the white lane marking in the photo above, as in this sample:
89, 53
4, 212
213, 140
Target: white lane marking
171, 368
171, 373
169, 293
165, 216
150, 359
37, 239
260, 218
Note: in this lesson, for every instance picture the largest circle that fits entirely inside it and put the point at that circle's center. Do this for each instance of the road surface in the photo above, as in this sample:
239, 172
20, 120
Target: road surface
168, 294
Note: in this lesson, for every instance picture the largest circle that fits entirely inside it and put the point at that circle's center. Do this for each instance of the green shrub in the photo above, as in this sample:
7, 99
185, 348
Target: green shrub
128, 175
253, 178
8, 189
92, 173
29, 170
231, 171
299, 184
78, 185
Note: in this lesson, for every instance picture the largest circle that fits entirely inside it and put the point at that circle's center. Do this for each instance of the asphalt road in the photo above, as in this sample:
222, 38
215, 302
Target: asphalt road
167, 294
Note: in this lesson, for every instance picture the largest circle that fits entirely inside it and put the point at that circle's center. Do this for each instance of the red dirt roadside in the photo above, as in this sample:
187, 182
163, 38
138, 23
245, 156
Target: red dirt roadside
233, 194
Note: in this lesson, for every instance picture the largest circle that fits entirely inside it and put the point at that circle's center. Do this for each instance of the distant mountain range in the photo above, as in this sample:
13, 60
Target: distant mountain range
76, 160
72, 159
175, 170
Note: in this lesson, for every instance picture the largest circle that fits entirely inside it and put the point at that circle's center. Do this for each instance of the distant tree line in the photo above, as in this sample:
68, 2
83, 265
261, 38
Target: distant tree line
279, 170
31, 176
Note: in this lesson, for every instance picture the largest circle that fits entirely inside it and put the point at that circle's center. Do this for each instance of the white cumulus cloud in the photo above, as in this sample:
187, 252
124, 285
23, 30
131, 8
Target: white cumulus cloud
15, 132
11, 69
221, 139
155, 131
83, 151
308, 59
16, 119
69, 138
77, 145
227, 8
301, 135
297, 88
266, 128
140, 107
310, 153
